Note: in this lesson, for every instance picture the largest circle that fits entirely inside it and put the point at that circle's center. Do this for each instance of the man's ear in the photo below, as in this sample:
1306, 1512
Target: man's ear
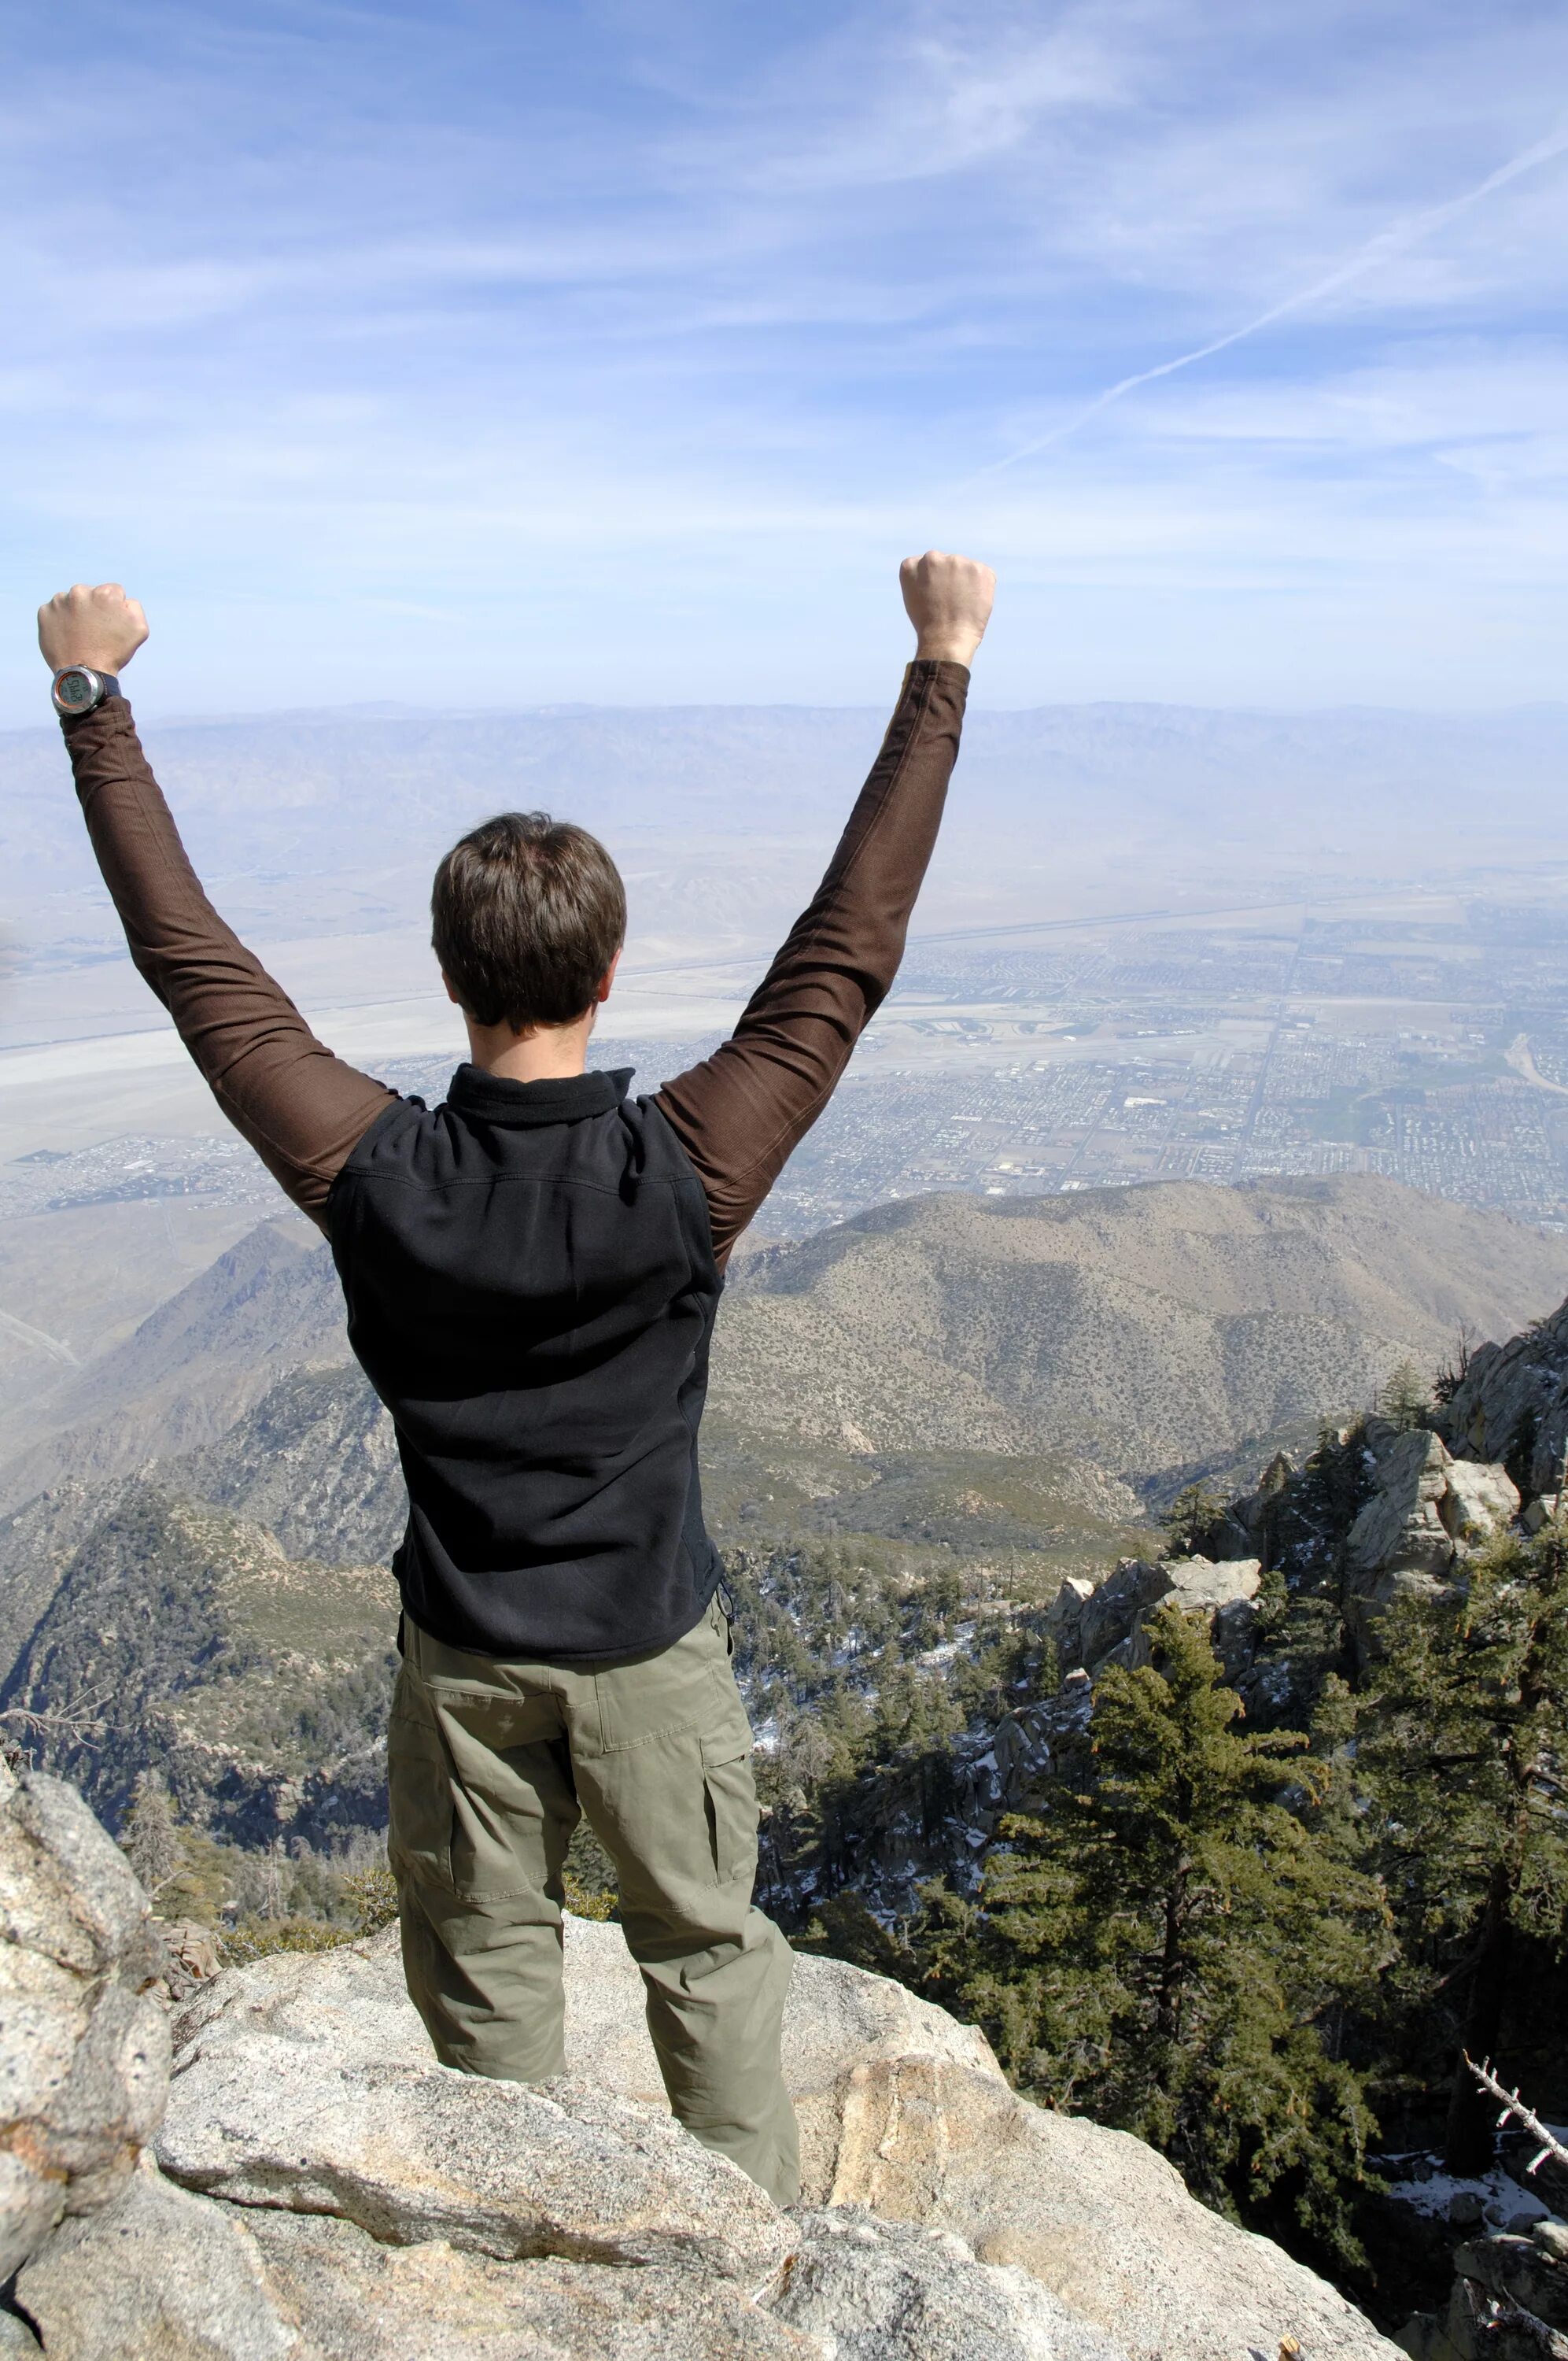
602, 994
451, 995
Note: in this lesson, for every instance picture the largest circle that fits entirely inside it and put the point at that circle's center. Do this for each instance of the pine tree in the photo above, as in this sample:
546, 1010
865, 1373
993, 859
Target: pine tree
1192, 1517
1407, 1397
1464, 1754
150, 1839
1163, 1946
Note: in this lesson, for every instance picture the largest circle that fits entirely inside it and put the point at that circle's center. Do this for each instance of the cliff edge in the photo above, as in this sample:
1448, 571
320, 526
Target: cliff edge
315, 2186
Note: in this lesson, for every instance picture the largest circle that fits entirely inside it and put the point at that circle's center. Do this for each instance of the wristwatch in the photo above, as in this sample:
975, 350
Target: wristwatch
78, 689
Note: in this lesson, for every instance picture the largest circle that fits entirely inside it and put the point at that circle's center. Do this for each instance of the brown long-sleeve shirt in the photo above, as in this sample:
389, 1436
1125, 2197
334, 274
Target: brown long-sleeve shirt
737, 1115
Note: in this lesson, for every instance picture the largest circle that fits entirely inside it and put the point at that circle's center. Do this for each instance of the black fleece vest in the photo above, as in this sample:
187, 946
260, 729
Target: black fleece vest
532, 1292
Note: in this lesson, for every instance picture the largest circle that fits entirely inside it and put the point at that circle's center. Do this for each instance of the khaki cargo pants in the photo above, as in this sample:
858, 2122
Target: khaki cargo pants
490, 1765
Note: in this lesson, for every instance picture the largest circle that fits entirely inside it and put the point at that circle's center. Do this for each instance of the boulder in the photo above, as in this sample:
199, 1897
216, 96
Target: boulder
1029, 1742
1429, 1513
158, 2273
1400, 1528
1512, 1404
1207, 1587
357, 2301
904, 2114
883, 2292
1099, 1625
1479, 1502
83, 2046
165, 2275
1113, 1609
417, 2152
350, 2008
1097, 2218
1064, 1620
1519, 2272
1224, 1591
329, 2192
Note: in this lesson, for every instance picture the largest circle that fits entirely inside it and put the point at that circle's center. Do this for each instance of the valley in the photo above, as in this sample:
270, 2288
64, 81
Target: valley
922, 1422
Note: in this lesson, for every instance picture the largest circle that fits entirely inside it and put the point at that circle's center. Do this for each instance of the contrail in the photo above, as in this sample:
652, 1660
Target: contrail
1386, 243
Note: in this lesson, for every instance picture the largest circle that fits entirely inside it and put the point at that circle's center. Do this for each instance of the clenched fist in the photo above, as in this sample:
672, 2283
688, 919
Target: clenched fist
949, 599
102, 629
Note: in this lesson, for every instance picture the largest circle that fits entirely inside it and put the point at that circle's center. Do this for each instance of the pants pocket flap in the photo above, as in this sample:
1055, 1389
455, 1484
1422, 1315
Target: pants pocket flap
722, 1746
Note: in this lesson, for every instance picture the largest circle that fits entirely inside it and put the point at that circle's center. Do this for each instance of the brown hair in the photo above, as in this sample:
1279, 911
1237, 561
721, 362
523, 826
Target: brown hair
527, 913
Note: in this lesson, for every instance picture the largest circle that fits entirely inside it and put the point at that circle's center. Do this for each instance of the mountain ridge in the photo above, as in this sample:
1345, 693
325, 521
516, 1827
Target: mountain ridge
1136, 1328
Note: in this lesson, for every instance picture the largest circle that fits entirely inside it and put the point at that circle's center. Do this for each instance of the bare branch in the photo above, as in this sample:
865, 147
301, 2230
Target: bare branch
80, 1721
1514, 2110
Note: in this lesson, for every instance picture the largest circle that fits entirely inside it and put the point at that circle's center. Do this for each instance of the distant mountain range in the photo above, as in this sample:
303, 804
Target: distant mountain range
330, 822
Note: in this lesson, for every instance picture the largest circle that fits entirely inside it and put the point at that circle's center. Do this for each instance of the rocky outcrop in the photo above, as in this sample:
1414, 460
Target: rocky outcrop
322, 2187
1428, 1512
169, 2274
1512, 1404
1103, 1623
83, 2045
1092, 1627
1509, 2302
909, 1833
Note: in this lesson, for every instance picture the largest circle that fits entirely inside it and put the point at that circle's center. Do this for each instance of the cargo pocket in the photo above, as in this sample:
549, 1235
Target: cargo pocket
731, 1793
420, 1806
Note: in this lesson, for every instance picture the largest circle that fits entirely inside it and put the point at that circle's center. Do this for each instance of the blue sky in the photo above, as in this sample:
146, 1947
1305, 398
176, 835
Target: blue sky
484, 354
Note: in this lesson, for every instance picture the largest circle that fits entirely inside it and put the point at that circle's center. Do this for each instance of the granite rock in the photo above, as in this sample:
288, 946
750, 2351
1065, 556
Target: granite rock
329, 2192
1428, 1513
418, 2152
1511, 1405
885, 2291
166, 2275
159, 2274
83, 2046
1097, 2218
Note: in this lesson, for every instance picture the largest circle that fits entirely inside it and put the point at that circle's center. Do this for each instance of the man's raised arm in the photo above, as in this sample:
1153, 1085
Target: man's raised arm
740, 1113
301, 1109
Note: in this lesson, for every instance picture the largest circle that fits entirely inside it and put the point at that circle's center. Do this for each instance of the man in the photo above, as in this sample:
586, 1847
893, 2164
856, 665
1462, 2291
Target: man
531, 1272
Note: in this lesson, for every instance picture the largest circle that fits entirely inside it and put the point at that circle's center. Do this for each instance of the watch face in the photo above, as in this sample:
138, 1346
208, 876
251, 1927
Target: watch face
76, 691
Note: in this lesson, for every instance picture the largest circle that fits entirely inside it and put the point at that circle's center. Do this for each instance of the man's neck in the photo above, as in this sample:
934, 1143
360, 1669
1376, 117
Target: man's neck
547, 1053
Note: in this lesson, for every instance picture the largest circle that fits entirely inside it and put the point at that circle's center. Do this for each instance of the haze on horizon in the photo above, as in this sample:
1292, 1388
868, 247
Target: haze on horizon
456, 355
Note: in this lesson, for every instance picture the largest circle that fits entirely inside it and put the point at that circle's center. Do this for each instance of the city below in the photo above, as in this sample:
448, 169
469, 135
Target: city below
1415, 1034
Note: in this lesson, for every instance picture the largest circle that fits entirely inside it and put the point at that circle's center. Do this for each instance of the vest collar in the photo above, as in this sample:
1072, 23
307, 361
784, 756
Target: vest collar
566, 1099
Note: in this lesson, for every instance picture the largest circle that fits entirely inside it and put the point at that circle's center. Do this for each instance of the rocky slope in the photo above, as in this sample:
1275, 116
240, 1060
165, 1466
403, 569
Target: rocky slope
1138, 1328
318, 2187
270, 1304
184, 1637
1134, 1328
227, 1617
1512, 1405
